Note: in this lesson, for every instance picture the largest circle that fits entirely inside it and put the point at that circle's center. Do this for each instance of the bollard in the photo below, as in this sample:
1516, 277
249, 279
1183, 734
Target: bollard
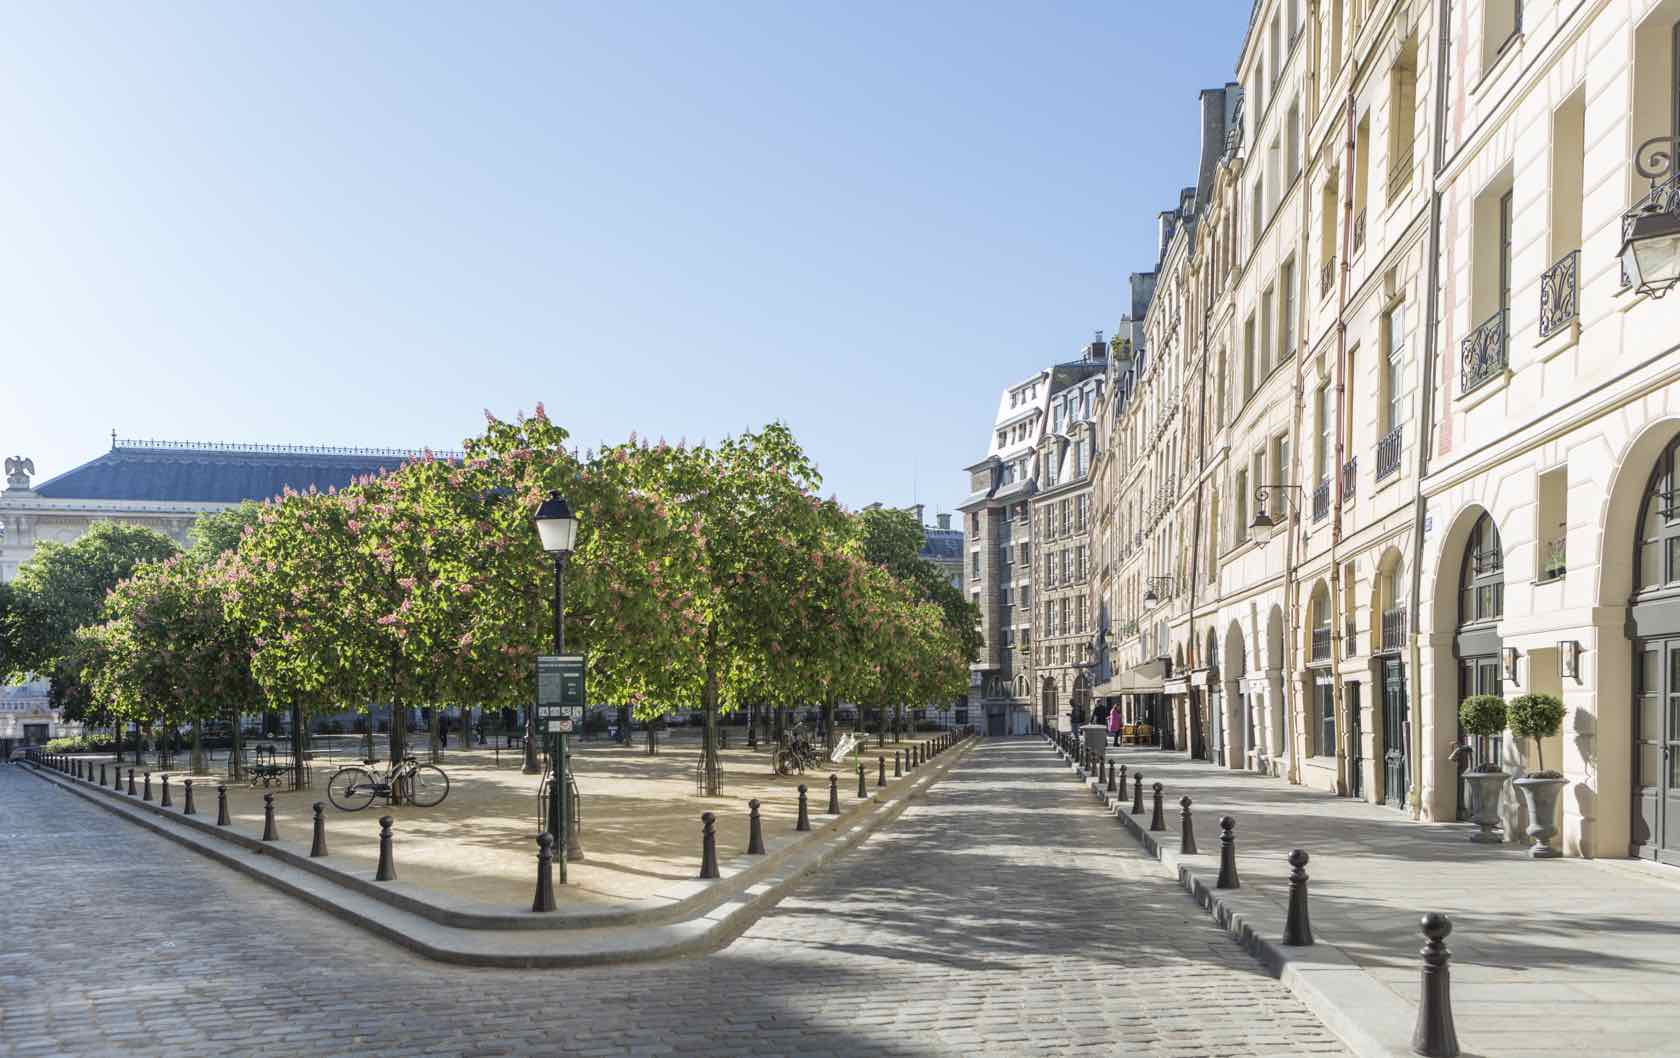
166, 802
270, 831
833, 794
545, 871
1110, 786
863, 789
318, 846
1434, 1036
116, 780
387, 869
187, 808
881, 771
804, 821
1186, 833
102, 775
76, 769
221, 805
1297, 929
1156, 820
755, 830
146, 789
1137, 793
1122, 786
708, 846
898, 760
1227, 855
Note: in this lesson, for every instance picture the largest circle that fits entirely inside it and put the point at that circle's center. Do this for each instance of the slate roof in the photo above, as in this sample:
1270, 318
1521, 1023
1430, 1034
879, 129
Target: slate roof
944, 544
191, 473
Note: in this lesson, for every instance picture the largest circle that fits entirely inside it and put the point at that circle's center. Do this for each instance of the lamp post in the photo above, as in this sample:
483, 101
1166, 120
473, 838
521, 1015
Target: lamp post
1264, 525
557, 528
1651, 230
1150, 595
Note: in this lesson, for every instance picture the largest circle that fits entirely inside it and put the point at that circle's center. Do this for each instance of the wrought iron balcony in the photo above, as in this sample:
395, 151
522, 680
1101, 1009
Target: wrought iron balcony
1559, 304
1350, 479
1350, 638
1320, 644
1359, 232
1388, 454
1326, 277
1393, 628
1321, 501
1484, 353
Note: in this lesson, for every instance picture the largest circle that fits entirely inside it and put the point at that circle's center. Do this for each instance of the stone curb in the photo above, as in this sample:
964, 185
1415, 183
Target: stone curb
723, 912
1371, 1019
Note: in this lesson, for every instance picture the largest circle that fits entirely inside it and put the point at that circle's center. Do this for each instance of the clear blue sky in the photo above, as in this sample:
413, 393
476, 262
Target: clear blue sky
364, 223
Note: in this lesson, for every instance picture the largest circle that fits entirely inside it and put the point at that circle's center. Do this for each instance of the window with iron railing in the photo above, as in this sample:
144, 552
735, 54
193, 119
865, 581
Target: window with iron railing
1484, 352
1321, 501
1393, 628
1558, 292
1350, 638
1350, 479
1321, 644
1388, 454
1359, 232
1326, 277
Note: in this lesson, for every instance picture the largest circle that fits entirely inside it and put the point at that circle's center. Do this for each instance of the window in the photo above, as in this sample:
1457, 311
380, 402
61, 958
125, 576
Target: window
1552, 517
1323, 442
1024, 559
1659, 526
1402, 118
1003, 438
1484, 351
1266, 300
1501, 25
1286, 311
1026, 600
1067, 616
1292, 142
1325, 693
1250, 379
1482, 580
1277, 47
1007, 597
1239, 508
1394, 390
1256, 205
974, 565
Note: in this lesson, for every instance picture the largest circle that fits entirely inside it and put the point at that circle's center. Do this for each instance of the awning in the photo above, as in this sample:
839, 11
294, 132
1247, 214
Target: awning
1140, 679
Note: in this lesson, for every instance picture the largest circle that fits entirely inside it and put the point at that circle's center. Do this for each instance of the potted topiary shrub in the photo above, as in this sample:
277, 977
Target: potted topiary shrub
1483, 716
1538, 716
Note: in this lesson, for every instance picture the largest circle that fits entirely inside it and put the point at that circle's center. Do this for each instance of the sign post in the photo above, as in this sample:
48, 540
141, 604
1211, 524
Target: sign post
560, 701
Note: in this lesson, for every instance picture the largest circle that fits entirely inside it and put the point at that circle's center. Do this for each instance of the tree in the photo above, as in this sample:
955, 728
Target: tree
63, 587
893, 539
214, 533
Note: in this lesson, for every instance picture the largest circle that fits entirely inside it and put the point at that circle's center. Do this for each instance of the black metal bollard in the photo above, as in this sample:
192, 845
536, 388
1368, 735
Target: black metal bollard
833, 794
545, 873
1137, 793
1186, 833
131, 782
804, 821
898, 764
1156, 820
187, 808
270, 831
708, 846
387, 869
1122, 783
1227, 855
1434, 1036
221, 805
102, 775
146, 788
116, 779
166, 802
1110, 786
1297, 928
755, 830
863, 789
318, 845
881, 771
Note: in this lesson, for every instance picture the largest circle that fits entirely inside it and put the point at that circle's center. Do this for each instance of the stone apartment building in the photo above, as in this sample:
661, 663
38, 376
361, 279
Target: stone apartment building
1041, 429
1398, 418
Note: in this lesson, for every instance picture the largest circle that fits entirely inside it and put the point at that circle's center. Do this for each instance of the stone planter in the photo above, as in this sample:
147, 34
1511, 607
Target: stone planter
1484, 804
1541, 796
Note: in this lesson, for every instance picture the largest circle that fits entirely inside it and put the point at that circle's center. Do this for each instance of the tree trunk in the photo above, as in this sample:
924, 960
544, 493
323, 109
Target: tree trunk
367, 736
828, 724
710, 765
236, 763
399, 724
198, 765
300, 742
432, 730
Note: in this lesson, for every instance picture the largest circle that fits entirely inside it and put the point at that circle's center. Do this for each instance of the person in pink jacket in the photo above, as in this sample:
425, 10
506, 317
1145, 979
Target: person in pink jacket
1114, 723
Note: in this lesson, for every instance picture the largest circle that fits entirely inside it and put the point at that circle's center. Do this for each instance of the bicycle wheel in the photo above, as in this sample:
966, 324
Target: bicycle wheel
784, 762
428, 786
350, 789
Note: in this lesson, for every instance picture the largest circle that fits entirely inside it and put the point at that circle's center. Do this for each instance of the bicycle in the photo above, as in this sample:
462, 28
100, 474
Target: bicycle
354, 788
796, 753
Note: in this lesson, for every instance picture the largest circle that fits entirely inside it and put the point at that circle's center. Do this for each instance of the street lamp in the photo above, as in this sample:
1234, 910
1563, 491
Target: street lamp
1150, 597
1651, 230
557, 529
1264, 525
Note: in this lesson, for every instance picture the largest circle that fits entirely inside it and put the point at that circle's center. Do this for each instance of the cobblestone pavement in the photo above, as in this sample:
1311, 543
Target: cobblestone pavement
1001, 915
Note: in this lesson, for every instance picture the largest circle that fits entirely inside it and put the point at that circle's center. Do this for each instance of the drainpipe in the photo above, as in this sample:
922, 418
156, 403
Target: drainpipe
1345, 751
1426, 417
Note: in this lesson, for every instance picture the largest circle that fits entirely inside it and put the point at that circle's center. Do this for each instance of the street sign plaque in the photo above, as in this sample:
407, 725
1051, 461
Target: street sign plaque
559, 680
560, 727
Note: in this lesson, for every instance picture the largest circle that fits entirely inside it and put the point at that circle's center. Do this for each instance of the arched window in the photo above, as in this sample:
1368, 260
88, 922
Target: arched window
1481, 583
1659, 528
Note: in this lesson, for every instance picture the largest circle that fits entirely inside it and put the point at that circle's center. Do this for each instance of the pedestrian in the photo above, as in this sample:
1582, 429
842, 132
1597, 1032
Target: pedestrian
1114, 725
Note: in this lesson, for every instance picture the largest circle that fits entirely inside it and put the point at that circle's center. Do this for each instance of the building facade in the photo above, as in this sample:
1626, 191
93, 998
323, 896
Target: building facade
1395, 424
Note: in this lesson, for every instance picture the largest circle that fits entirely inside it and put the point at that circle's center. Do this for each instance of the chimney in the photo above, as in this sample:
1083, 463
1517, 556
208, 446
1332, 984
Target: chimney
1098, 349
918, 508
944, 521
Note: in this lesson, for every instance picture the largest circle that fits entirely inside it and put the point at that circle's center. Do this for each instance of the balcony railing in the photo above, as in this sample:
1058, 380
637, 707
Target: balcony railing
1556, 560
1350, 639
1359, 232
1350, 479
1326, 277
1321, 501
1399, 175
1484, 353
1320, 644
1393, 628
1388, 454
1558, 289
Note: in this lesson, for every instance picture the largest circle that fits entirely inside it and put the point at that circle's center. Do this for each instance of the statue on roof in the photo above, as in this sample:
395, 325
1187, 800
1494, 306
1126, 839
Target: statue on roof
18, 469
